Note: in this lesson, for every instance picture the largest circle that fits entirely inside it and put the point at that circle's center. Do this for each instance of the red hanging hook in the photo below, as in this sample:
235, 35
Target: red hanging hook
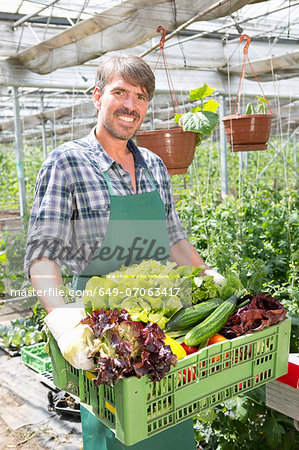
162, 29
162, 40
248, 39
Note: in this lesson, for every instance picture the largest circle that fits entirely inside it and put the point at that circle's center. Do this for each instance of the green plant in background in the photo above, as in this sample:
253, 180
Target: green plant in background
245, 422
260, 108
24, 331
12, 269
255, 234
2, 266
202, 119
33, 158
259, 226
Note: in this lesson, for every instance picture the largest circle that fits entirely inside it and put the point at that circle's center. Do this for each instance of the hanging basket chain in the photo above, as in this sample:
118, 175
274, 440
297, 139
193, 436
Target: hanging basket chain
174, 101
246, 57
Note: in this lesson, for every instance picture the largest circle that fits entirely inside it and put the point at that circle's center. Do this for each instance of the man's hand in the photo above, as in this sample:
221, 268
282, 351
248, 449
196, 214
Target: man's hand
73, 338
184, 254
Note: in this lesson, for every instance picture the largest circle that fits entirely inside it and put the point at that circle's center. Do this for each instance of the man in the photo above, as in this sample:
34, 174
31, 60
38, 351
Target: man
96, 199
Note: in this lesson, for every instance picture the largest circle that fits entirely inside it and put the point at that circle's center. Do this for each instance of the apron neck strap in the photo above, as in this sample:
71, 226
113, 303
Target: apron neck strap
107, 178
108, 183
150, 178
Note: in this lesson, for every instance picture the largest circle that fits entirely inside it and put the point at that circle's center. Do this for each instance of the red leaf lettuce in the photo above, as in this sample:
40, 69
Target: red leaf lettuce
260, 313
123, 347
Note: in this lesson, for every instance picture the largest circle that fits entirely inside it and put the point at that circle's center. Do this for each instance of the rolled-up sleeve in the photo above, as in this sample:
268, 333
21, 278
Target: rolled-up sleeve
49, 232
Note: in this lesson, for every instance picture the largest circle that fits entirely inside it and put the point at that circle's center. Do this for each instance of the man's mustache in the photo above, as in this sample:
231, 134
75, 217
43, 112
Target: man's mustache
127, 112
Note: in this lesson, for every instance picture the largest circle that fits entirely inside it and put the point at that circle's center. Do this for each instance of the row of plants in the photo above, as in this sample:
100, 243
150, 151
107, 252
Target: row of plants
33, 158
23, 331
205, 170
254, 231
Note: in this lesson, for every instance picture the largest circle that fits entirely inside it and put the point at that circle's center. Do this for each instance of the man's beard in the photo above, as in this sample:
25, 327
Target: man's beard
123, 135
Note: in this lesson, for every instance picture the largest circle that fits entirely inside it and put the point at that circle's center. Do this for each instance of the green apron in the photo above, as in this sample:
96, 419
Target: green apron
138, 222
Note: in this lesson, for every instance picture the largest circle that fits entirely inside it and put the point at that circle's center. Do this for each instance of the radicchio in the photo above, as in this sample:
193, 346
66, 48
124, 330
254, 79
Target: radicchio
260, 313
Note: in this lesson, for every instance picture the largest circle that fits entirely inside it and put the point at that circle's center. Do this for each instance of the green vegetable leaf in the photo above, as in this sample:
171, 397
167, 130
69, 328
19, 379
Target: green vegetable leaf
261, 108
250, 109
208, 415
2, 257
238, 406
211, 105
273, 432
197, 108
263, 100
231, 286
202, 92
201, 122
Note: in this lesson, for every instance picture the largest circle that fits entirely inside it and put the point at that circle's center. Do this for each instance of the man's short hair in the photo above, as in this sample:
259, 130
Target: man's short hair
132, 69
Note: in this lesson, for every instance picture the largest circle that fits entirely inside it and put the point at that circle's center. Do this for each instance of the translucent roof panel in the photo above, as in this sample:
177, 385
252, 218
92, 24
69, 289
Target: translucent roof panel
266, 19
75, 9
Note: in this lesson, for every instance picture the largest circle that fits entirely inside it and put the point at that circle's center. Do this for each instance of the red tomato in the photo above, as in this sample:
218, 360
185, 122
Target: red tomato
216, 338
189, 374
189, 349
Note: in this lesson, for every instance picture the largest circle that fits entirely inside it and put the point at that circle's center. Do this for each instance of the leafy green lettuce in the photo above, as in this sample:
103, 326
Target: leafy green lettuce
149, 291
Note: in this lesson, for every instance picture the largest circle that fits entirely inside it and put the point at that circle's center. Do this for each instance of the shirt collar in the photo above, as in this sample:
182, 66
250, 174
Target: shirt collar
139, 160
107, 161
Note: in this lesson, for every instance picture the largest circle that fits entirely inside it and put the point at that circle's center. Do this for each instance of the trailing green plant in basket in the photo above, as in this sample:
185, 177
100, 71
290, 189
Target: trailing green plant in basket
203, 118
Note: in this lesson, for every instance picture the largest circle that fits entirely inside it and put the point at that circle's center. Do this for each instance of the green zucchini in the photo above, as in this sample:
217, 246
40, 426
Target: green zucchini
186, 317
212, 324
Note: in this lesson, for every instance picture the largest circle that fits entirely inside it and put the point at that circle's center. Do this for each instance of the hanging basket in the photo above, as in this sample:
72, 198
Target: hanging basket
247, 132
175, 146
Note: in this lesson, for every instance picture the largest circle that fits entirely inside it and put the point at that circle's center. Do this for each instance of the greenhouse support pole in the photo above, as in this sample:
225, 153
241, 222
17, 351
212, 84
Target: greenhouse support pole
223, 150
19, 152
43, 122
245, 159
240, 163
44, 138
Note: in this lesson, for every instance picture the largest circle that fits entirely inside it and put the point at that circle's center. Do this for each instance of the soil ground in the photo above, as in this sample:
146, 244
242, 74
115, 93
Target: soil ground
24, 404
20, 439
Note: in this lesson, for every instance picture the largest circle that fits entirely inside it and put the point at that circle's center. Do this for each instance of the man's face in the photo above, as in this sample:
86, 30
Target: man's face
121, 107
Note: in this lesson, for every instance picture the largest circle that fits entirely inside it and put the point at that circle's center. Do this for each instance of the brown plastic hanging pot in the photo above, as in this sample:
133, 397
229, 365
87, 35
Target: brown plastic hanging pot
175, 146
247, 132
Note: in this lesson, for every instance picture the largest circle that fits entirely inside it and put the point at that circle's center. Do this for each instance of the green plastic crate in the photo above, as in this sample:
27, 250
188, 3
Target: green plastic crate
136, 409
36, 358
65, 376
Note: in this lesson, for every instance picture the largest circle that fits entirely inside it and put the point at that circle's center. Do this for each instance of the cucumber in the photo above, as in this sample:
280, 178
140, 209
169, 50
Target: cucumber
187, 317
212, 324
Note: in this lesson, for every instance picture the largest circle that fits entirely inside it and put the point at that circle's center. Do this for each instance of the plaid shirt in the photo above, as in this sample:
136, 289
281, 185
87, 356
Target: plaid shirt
70, 213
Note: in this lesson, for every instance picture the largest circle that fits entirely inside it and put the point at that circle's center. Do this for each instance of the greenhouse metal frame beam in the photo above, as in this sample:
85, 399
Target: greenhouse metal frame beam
288, 64
124, 26
29, 16
223, 149
278, 153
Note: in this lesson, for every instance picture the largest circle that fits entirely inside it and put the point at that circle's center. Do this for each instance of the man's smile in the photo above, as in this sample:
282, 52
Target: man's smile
126, 119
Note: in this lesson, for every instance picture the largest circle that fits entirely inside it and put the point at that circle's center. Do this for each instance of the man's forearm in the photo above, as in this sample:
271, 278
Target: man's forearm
184, 254
45, 277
